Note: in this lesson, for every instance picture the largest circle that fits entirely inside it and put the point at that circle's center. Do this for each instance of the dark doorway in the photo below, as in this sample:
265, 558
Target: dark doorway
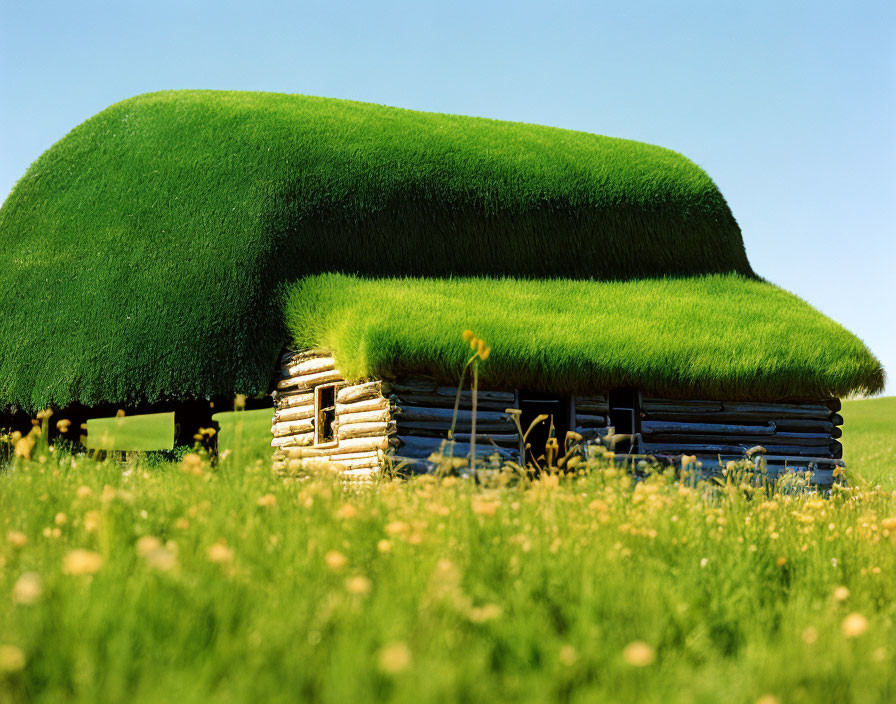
557, 408
624, 415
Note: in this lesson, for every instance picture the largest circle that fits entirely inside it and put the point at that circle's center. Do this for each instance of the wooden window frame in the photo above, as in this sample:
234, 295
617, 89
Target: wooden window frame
318, 415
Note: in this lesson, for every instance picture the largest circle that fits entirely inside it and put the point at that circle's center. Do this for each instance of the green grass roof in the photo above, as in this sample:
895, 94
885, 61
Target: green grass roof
715, 336
141, 256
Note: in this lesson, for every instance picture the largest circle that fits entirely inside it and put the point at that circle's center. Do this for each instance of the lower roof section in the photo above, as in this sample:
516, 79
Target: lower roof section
716, 336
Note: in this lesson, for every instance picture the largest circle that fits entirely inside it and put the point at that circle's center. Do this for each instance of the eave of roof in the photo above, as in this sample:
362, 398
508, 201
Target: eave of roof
698, 337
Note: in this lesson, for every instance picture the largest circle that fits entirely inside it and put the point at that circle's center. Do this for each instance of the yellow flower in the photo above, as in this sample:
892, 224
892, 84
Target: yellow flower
810, 635
163, 559
638, 654
467, 335
17, 539
482, 614
267, 501
63, 425
92, 521
397, 528
147, 544
384, 546
60, 519
346, 511
841, 593
474, 343
483, 507
888, 523
768, 699
82, 562
191, 464
219, 553
394, 658
83, 492
854, 625
358, 585
12, 659
335, 560
28, 588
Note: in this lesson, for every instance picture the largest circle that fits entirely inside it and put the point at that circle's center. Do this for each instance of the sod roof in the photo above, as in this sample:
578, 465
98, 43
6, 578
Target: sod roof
144, 256
713, 336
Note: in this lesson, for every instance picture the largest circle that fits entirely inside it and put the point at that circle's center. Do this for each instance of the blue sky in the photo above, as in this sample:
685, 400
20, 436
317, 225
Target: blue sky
790, 107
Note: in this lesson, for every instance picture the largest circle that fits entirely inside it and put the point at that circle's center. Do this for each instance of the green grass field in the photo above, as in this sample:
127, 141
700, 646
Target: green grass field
869, 438
169, 582
168, 222
699, 337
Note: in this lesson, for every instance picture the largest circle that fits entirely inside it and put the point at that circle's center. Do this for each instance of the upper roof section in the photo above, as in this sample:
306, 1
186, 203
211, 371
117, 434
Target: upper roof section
316, 184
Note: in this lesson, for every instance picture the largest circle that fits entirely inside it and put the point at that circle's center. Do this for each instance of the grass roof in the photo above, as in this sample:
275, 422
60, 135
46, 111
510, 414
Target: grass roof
140, 256
714, 336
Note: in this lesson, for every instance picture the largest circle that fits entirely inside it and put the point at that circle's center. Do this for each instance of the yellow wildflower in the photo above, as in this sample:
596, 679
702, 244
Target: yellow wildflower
638, 654
358, 585
335, 560
394, 658
841, 593
28, 588
219, 553
267, 501
854, 625
12, 659
17, 539
82, 562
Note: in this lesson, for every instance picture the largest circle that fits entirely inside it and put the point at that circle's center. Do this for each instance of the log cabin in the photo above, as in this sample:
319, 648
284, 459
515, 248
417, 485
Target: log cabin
165, 252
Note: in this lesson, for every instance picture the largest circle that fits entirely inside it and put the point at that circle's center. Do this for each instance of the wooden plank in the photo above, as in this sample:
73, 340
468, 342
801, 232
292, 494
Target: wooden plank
444, 415
712, 450
294, 399
373, 404
590, 421
659, 405
365, 430
655, 427
803, 440
725, 417
441, 427
303, 440
497, 397
411, 384
344, 447
419, 447
309, 381
308, 366
436, 401
782, 410
596, 405
503, 439
359, 392
346, 419
290, 414
297, 427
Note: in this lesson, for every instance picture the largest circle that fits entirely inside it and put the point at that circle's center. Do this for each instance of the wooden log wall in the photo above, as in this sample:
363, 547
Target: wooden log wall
363, 424
411, 417
423, 411
788, 431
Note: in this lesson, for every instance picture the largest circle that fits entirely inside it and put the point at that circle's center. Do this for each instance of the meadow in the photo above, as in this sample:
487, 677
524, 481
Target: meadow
160, 580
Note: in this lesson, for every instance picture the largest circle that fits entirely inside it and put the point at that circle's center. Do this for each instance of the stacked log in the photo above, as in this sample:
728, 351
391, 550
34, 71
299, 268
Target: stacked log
591, 416
423, 412
363, 423
789, 431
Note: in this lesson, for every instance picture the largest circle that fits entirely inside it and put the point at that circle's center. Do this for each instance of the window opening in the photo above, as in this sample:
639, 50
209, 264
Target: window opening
325, 414
557, 408
624, 415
